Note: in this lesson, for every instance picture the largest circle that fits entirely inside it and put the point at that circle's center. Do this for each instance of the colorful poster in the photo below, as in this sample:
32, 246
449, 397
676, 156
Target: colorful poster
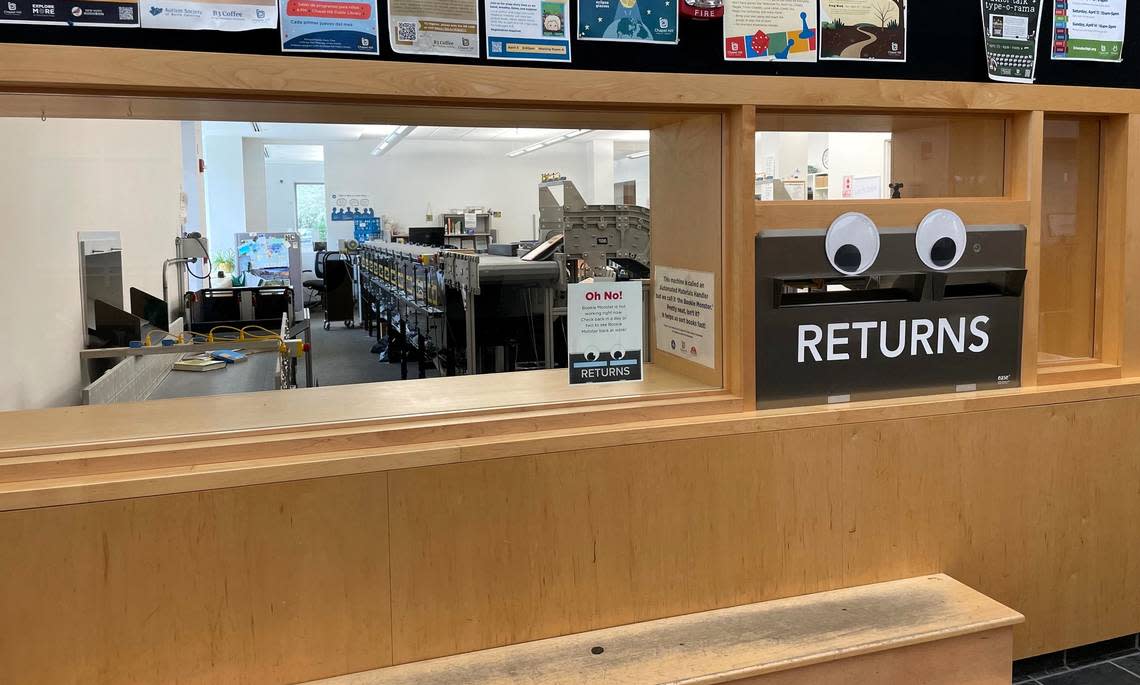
632, 21
1089, 30
449, 28
862, 30
769, 30
1011, 28
348, 26
537, 30
214, 15
70, 13
349, 207
605, 331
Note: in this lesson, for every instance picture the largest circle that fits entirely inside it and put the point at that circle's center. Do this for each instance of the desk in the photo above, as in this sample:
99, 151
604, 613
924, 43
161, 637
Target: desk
473, 237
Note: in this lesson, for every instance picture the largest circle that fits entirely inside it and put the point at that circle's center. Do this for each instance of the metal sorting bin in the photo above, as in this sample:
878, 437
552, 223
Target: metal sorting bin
897, 328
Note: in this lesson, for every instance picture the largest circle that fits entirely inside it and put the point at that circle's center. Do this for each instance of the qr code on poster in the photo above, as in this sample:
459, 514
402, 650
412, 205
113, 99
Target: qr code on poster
406, 32
126, 14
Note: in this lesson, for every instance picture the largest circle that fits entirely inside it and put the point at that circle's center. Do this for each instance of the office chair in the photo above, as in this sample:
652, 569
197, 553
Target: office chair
317, 285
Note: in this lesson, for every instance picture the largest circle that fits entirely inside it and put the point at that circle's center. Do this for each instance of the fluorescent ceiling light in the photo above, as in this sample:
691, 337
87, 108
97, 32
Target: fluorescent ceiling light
553, 140
396, 135
637, 155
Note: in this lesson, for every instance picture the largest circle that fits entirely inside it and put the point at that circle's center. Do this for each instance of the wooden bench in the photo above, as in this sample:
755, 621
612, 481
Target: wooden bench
930, 630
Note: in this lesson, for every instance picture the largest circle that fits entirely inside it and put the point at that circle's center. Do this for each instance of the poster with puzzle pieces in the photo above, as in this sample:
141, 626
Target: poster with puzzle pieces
770, 30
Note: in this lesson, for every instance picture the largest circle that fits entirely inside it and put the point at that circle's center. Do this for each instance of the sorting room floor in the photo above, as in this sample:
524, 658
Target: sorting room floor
342, 356
1113, 662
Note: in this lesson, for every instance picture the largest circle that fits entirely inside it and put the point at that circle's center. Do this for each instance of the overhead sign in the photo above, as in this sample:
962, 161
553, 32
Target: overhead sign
1089, 30
1011, 28
72, 12
208, 14
449, 28
606, 330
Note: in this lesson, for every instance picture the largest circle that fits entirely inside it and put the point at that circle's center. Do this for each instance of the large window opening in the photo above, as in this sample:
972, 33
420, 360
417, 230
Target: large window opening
316, 255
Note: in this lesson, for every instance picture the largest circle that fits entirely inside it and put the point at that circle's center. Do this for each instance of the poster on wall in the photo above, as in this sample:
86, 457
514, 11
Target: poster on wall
605, 331
349, 207
1089, 30
628, 21
1011, 28
684, 313
340, 26
71, 13
862, 30
770, 30
534, 30
211, 15
448, 28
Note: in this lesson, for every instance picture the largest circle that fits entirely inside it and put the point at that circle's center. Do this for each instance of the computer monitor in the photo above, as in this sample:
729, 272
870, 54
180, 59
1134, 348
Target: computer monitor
426, 235
274, 258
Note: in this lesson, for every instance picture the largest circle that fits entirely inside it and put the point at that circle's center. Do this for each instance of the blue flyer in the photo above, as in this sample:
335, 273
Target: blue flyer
347, 26
633, 21
536, 30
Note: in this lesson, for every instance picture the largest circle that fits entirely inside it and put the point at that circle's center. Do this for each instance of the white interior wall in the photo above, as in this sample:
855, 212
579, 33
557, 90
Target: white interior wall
225, 191
446, 175
253, 168
61, 177
280, 195
636, 170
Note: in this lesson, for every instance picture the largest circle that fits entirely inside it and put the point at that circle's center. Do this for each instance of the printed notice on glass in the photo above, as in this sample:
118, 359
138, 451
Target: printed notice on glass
684, 307
767, 30
605, 331
340, 26
71, 13
1011, 28
862, 30
1089, 30
628, 21
194, 15
535, 30
449, 28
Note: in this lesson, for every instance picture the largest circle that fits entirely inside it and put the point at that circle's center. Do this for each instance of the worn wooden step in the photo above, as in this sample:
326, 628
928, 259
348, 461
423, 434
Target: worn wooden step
930, 630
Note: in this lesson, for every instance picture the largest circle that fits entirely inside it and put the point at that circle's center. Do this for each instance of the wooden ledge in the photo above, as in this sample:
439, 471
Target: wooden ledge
287, 454
726, 645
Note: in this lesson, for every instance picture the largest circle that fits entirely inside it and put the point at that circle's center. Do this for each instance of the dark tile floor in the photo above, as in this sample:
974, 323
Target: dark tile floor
1113, 662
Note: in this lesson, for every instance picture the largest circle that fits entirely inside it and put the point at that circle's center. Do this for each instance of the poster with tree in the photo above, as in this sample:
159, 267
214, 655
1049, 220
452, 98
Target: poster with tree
863, 30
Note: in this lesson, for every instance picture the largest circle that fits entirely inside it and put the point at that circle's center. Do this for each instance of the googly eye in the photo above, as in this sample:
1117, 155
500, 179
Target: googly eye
852, 243
940, 239
592, 355
617, 353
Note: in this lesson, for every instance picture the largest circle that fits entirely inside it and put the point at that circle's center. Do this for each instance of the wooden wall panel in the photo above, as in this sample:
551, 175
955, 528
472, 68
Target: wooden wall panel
263, 584
687, 195
1033, 507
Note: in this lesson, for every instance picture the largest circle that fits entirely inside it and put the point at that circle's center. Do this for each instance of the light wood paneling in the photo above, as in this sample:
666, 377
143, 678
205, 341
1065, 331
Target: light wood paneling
739, 255
751, 641
889, 213
1070, 230
949, 157
1129, 324
1024, 155
686, 161
267, 584
28, 68
982, 659
1032, 507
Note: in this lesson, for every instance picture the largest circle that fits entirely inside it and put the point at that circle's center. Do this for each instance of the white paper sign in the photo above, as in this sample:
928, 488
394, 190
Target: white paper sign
685, 314
605, 331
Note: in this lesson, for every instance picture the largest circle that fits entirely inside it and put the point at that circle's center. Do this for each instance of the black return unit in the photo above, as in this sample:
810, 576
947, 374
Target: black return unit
839, 321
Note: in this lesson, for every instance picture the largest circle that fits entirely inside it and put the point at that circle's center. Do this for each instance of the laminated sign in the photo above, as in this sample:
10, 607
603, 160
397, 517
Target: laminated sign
606, 330
1011, 28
